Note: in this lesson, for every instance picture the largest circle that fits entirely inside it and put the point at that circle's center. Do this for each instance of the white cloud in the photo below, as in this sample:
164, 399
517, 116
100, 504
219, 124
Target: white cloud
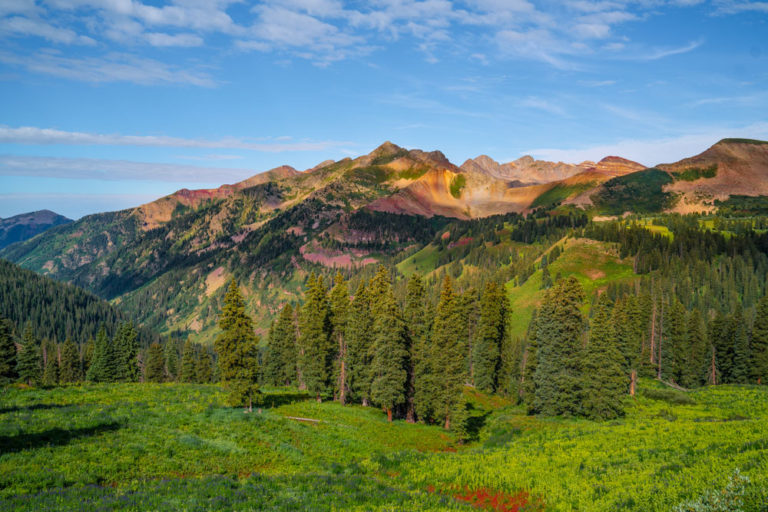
20, 26
668, 52
113, 67
48, 136
160, 39
115, 170
653, 151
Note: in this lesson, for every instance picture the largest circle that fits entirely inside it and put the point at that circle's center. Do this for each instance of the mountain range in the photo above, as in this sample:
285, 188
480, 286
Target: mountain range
167, 261
26, 225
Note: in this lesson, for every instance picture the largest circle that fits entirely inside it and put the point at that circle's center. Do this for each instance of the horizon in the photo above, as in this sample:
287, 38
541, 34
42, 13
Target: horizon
108, 106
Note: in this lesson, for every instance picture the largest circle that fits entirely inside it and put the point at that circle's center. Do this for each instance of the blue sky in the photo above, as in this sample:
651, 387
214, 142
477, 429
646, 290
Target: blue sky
109, 104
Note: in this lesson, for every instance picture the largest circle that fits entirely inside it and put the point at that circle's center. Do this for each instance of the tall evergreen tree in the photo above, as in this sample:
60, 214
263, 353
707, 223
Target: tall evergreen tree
603, 378
390, 356
29, 362
126, 346
530, 363
339, 313
280, 366
87, 354
188, 360
7, 352
51, 364
447, 356
696, 352
560, 331
490, 335
104, 366
415, 316
741, 371
155, 367
71, 370
316, 356
237, 348
760, 342
171, 360
204, 367
360, 346
721, 334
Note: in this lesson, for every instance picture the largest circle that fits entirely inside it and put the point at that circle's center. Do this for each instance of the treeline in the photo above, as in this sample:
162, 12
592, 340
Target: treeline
54, 310
118, 358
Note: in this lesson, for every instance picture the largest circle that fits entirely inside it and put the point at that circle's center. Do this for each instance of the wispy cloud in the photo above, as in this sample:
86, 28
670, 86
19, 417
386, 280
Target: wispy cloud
113, 67
115, 170
653, 151
49, 136
661, 53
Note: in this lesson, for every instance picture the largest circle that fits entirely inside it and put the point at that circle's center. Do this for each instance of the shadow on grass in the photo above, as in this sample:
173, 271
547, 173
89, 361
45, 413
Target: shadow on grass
52, 437
36, 407
269, 400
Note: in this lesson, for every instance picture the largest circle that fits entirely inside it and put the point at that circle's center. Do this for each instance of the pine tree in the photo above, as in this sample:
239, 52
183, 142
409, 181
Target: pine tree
721, 334
339, 313
126, 347
490, 335
155, 366
415, 317
70, 363
360, 346
280, 366
560, 330
29, 362
741, 372
188, 360
760, 342
87, 356
317, 352
104, 367
696, 352
51, 364
7, 352
530, 363
603, 378
204, 367
171, 360
447, 357
237, 348
390, 355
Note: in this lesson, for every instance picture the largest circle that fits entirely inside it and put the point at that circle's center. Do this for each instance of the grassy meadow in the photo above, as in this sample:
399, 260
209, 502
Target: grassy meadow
177, 447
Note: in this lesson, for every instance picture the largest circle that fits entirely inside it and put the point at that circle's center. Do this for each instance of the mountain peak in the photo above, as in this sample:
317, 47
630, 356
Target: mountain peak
387, 149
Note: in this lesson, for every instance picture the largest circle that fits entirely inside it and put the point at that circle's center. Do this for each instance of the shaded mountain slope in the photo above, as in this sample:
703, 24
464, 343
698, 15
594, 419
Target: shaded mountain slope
26, 225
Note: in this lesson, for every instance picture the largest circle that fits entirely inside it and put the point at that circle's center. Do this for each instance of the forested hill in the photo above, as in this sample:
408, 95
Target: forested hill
55, 311
26, 225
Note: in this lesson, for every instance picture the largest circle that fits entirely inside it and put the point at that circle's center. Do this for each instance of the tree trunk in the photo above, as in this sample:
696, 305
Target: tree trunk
448, 422
318, 398
653, 334
713, 369
661, 339
365, 402
250, 404
389, 414
633, 382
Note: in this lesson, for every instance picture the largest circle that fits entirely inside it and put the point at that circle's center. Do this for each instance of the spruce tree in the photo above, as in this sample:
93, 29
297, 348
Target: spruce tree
51, 364
603, 378
560, 330
360, 346
696, 352
237, 349
29, 362
415, 317
71, 370
741, 371
447, 357
204, 367
7, 352
530, 362
188, 360
339, 313
722, 333
390, 355
280, 366
87, 354
316, 356
760, 342
155, 367
171, 360
490, 335
104, 366
126, 347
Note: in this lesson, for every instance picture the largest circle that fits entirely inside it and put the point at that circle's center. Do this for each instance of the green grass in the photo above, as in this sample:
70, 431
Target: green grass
176, 447
457, 183
423, 262
594, 264
639, 192
695, 173
743, 141
560, 193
